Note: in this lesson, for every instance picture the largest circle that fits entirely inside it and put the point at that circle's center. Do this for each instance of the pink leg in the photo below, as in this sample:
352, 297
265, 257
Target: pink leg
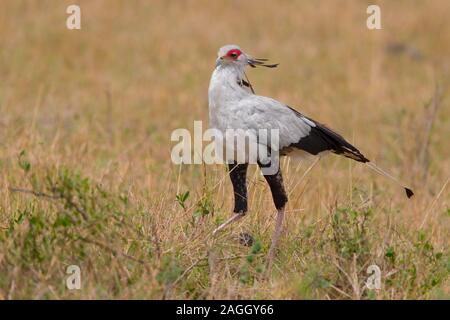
276, 235
235, 217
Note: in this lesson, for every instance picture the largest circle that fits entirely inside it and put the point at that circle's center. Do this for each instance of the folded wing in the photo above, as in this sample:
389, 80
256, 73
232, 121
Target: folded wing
296, 131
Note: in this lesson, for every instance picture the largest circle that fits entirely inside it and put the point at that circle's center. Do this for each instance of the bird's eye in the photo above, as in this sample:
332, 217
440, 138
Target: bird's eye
233, 55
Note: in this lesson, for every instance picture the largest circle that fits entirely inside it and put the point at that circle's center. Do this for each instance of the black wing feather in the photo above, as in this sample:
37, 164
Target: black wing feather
321, 138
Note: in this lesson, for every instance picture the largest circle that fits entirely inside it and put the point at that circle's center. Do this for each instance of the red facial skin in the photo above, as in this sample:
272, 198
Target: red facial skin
233, 54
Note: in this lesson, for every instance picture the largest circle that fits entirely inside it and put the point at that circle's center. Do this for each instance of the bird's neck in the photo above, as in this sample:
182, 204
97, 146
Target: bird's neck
224, 85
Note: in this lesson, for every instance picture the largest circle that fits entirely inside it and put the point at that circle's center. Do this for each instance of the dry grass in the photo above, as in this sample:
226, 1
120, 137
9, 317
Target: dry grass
101, 103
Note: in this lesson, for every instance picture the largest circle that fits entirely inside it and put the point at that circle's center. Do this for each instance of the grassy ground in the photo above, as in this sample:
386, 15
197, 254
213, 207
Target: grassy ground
85, 123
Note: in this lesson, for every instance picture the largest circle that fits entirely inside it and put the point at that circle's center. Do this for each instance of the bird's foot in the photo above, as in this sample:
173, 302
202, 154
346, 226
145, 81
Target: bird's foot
246, 239
235, 217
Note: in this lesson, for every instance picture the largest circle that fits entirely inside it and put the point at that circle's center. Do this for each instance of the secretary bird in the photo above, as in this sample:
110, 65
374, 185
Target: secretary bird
234, 105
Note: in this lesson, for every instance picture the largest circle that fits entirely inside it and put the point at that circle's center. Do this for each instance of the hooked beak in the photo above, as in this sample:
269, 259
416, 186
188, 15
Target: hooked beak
222, 59
254, 62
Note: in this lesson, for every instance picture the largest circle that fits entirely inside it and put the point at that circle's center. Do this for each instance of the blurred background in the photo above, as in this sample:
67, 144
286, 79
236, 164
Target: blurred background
102, 101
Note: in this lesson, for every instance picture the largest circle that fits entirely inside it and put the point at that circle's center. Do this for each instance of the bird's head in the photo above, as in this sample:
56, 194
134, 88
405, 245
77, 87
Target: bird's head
233, 55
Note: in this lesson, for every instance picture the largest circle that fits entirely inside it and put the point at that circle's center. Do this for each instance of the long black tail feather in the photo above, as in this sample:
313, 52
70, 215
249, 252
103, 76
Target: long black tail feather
321, 138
